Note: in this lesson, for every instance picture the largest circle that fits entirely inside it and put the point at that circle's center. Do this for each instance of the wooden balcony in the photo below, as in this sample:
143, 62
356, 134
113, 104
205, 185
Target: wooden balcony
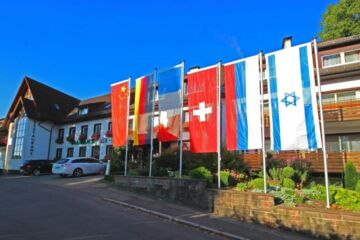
336, 161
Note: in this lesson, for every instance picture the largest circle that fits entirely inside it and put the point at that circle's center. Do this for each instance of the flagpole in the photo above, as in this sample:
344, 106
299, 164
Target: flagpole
322, 125
263, 120
127, 127
152, 122
218, 124
181, 116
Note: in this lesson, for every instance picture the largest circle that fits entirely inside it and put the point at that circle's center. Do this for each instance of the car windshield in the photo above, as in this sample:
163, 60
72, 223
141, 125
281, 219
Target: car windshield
62, 161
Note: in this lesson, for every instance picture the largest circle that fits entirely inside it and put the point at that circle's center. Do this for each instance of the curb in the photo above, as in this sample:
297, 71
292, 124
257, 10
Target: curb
175, 219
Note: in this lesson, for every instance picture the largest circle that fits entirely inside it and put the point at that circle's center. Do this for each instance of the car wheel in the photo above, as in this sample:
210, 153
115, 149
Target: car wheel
63, 175
78, 172
36, 172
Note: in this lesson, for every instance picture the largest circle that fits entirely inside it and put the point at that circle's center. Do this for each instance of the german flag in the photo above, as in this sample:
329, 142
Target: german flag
144, 100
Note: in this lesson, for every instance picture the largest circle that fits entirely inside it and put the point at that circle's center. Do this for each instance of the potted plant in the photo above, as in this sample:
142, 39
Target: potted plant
95, 136
109, 134
59, 141
70, 139
82, 138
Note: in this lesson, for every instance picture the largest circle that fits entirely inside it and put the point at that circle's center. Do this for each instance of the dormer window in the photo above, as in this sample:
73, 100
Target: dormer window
83, 111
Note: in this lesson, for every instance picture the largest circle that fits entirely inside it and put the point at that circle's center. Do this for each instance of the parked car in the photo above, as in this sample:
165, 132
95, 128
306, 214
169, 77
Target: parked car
36, 167
77, 166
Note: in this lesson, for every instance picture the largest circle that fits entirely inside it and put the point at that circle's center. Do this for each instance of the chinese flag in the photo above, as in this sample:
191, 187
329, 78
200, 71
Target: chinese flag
119, 112
202, 102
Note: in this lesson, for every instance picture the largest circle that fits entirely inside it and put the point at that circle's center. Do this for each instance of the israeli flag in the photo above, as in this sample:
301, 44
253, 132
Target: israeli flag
294, 120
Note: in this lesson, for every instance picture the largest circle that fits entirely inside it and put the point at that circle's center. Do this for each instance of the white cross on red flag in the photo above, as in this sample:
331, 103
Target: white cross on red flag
202, 102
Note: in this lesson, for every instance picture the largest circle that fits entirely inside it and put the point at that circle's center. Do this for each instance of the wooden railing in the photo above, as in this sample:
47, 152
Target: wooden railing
336, 161
334, 112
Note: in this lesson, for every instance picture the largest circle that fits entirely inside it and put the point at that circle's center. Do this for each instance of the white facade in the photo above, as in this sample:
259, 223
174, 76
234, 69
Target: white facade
103, 142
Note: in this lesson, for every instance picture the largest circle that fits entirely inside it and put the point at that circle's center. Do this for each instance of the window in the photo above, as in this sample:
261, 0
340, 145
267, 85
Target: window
95, 152
350, 143
82, 152
60, 135
70, 152
19, 137
97, 128
131, 123
333, 143
328, 98
110, 126
72, 131
83, 111
58, 153
353, 56
84, 130
331, 60
109, 150
346, 96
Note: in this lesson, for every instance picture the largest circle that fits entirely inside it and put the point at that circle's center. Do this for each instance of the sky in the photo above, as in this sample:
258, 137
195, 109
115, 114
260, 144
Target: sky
80, 47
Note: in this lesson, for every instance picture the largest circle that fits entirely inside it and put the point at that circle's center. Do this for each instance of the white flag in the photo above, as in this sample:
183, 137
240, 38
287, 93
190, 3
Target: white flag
294, 120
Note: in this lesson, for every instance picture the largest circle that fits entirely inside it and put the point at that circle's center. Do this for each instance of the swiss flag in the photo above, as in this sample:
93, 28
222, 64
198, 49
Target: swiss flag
202, 102
119, 112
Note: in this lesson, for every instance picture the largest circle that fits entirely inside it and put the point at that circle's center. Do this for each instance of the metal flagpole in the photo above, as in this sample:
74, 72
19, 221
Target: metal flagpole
322, 125
127, 127
262, 119
181, 116
152, 122
218, 123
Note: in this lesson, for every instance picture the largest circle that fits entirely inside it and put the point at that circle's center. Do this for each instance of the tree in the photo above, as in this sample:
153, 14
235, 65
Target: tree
341, 20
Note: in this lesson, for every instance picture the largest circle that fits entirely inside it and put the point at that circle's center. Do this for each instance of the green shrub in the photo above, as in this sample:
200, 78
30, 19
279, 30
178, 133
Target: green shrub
276, 174
242, 187
225, 178
109, 178
348, 199
351, 176
288, 172
288, 196
357, 189
288, 183
201, 173
257, 183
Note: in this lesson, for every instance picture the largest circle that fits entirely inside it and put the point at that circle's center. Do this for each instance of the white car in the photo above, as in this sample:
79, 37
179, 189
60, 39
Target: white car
77, 166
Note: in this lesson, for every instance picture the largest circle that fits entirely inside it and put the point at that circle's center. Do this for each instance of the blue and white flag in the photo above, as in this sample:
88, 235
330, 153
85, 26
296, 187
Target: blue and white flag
169, 82
294, 120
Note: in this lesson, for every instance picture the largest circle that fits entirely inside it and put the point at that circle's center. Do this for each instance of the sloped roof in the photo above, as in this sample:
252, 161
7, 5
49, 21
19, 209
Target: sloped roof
46, 104
50, 103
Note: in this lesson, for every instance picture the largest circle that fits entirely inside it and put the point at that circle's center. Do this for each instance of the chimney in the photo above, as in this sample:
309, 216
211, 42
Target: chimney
287, 41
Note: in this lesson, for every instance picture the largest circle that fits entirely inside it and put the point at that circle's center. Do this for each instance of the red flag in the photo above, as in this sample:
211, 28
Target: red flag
119, 112
202, 102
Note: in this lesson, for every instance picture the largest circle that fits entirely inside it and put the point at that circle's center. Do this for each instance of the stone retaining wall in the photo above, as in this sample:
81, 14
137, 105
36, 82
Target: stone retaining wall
257, 207
186, 191
248, 206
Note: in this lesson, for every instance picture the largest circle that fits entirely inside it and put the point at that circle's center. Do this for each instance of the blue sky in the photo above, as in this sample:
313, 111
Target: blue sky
82, 46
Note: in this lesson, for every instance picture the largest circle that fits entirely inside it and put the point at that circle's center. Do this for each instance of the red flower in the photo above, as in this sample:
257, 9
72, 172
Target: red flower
109, 134
82, 138
95, 136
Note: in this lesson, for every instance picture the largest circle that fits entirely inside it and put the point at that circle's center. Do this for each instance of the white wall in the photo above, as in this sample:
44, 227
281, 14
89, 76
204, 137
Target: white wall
36, 143
102, 142
2, 156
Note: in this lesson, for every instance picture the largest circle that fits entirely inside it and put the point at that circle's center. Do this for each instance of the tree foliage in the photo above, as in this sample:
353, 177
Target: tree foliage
341, 20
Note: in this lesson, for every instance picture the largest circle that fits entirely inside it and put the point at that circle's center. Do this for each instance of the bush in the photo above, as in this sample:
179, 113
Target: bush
276, 174
242, 187
288, 183
201, 173
348, 199
357, 189
257, 183
351, 176
288, 172
288, 196
225, 178
109, 178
